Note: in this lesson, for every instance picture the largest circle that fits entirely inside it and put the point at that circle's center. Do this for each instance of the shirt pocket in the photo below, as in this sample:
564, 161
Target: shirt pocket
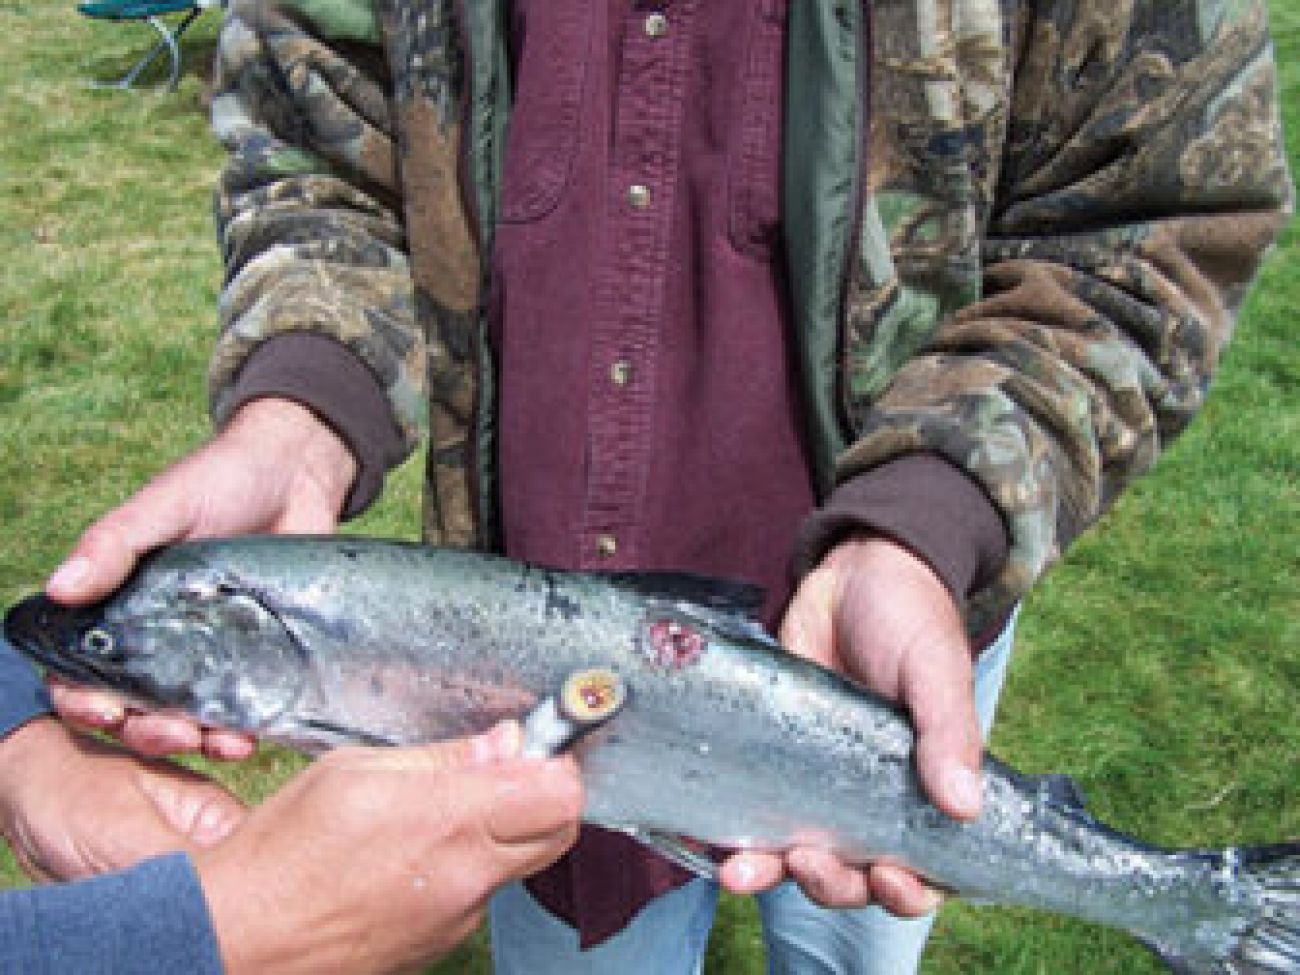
754, 195
553, 45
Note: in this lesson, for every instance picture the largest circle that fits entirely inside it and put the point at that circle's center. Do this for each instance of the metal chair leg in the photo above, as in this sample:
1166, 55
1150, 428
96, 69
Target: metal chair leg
167, 41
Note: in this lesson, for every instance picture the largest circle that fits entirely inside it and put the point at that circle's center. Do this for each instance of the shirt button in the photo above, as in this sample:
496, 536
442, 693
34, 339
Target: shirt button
638, 195
620, 372
656, 25
606, 546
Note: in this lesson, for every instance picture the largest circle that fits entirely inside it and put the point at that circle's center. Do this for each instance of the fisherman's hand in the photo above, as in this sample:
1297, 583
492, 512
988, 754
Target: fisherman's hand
877, 613
274, 468
376, 860
72, 806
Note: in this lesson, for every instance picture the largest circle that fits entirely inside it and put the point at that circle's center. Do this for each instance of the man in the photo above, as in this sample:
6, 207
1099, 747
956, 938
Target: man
907, 289
368, 861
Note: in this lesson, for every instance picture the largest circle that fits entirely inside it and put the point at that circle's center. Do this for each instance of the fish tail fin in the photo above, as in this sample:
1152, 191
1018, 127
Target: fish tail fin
1263, 937
1272, 942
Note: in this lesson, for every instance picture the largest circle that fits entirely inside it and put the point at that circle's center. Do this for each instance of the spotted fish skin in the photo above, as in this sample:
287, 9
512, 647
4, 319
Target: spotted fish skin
724, 737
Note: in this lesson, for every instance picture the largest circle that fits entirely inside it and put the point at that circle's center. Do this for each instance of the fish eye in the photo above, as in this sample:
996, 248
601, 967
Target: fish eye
99, 643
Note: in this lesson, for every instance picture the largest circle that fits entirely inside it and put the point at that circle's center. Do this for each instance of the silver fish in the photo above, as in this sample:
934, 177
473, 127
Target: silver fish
723, 736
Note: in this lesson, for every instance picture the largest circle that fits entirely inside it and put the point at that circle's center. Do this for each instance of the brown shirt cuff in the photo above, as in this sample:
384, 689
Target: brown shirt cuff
923, 502
324, 376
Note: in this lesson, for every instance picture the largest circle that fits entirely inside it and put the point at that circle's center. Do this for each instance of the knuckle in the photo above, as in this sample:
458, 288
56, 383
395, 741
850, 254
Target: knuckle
108, 533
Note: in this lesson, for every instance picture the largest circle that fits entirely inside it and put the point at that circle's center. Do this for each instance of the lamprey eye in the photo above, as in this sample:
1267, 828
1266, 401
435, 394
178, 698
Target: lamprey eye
592, 695
99, 643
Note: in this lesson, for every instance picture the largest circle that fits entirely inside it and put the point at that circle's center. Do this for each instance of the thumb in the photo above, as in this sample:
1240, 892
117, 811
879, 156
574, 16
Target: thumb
499, 743
109, 549
533, 803
939, 696
517, 801
525, 808
807, 630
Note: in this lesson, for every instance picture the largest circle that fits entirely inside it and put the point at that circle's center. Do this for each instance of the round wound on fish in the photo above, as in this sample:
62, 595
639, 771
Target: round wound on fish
592, 695
674, 645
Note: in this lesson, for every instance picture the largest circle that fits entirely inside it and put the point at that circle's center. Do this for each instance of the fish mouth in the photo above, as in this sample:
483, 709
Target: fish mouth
45, 631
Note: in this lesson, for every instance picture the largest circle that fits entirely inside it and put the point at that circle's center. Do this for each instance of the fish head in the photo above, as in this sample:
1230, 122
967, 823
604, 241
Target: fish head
209, 650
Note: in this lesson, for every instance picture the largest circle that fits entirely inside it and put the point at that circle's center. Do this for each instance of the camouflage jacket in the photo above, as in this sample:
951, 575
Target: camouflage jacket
1018, 231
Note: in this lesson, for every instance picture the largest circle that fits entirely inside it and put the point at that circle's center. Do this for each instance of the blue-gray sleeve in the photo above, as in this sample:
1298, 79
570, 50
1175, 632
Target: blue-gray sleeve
151, 918
22, 695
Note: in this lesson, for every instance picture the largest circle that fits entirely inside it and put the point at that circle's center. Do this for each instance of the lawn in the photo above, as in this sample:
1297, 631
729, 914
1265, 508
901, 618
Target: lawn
1157, 664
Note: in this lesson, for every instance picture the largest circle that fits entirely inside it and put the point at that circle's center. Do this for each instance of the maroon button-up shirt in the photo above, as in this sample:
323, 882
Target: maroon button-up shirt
647, 406
648, 414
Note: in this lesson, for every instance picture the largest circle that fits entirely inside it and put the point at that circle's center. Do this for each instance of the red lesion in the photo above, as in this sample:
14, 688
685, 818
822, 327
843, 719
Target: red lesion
674, 645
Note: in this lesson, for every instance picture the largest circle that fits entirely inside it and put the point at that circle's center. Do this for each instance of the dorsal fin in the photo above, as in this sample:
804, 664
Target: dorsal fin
1061, 790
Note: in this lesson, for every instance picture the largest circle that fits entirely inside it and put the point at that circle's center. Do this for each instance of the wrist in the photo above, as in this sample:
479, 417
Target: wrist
923, 503
340, 390
242, 919
883, 557
284, 428
265, 914
879, 548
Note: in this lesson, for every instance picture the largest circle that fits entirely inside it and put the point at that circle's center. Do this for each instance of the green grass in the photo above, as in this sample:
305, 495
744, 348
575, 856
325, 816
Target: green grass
1157, 664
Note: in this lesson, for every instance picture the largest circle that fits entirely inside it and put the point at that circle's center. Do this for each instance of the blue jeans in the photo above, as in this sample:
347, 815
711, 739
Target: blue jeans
669, 935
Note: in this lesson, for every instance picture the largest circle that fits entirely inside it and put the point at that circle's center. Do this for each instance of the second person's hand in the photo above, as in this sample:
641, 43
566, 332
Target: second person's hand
274, 468
381, 860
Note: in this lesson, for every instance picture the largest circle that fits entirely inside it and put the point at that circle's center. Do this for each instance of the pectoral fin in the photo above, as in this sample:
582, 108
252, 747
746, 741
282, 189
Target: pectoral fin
316, 735
677, 850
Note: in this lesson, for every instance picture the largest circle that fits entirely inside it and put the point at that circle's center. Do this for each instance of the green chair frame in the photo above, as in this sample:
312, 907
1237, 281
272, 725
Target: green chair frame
151, 12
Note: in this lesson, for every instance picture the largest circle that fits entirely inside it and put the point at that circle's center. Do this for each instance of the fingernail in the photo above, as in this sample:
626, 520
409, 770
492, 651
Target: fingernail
965, 788
499, 742
226, 749
509, 737
931, 901
481, 750
87, 707
72, 574
746, 872
211, 826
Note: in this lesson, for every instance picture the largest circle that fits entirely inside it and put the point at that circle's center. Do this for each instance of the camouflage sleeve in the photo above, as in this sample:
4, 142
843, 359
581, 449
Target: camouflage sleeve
1142, 177
308, 206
